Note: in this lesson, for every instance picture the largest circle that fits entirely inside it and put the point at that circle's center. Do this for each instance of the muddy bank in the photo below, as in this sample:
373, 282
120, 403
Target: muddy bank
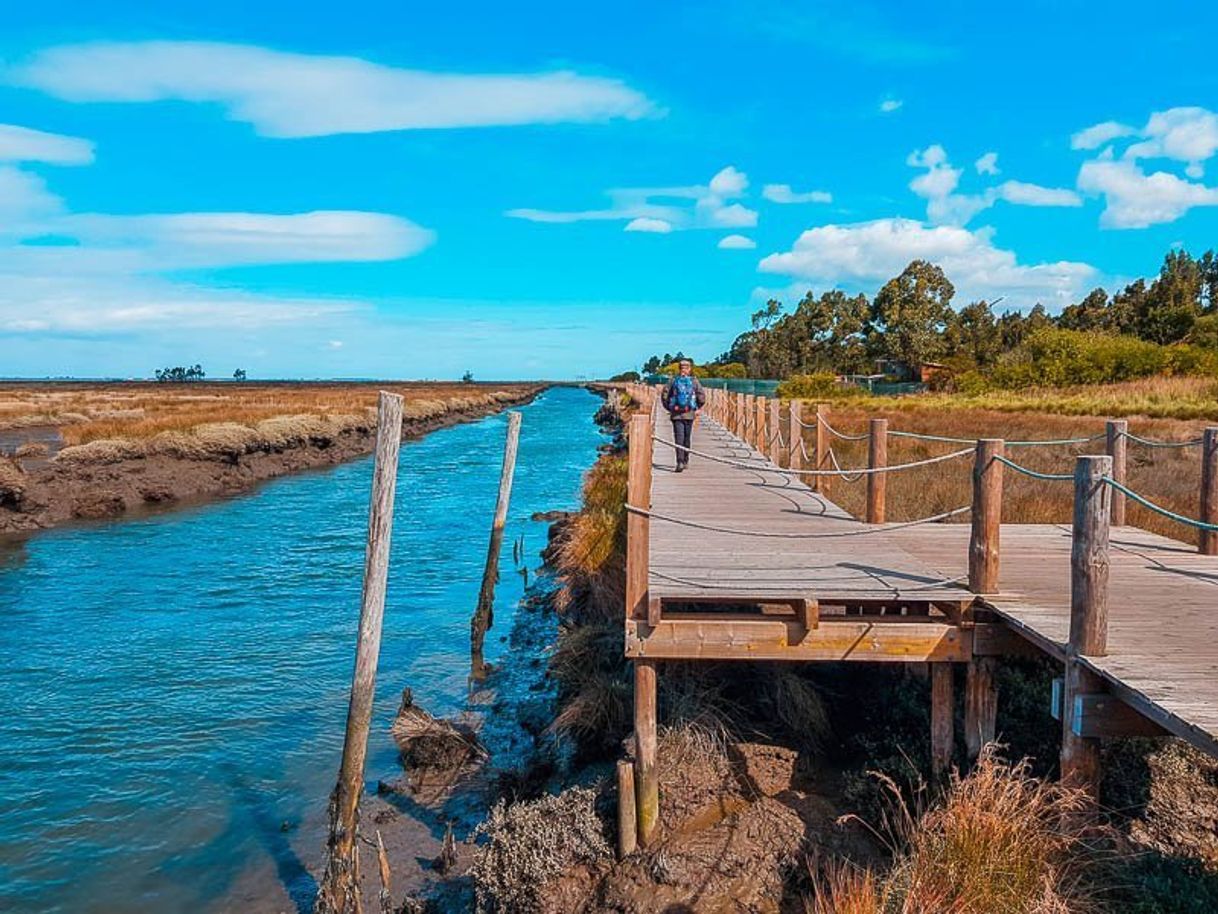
107, 479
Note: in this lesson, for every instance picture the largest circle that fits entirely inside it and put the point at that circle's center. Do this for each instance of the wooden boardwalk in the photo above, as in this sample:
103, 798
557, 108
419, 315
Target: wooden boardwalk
736, 558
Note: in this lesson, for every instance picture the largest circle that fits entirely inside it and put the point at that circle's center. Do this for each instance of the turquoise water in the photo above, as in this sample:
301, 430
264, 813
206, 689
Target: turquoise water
173, 689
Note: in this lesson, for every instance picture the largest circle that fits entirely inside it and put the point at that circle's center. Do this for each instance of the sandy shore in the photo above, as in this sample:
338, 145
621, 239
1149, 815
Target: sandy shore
91, 482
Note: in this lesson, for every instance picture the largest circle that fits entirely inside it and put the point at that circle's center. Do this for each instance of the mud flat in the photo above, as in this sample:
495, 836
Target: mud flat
44, 483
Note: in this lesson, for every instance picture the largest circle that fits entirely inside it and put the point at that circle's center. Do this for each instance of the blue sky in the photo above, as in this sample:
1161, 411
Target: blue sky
556, 190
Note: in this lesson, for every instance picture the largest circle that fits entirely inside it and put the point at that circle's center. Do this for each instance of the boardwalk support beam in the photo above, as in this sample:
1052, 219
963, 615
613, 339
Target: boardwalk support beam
647, 785
1080, 756
980, 704
942, 715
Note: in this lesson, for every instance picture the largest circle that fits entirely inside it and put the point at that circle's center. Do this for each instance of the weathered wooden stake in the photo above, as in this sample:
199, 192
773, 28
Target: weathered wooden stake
760, 439
795, 434
1209, 490
877, 483
980, 705
775, 427
821, 483
986, 533
484, 614
1080, 757
646, 776
942, 718
339, 892
1115, 432
638, 527
627, 811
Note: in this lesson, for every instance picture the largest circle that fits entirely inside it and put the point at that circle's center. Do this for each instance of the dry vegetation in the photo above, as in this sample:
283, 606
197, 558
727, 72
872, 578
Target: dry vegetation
108, 421
1170, 477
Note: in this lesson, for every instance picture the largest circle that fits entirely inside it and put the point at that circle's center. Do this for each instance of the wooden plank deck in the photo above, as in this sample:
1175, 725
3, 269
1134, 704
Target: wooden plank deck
1162, 607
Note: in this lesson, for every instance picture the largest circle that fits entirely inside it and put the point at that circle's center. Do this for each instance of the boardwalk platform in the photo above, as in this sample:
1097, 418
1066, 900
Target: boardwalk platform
794, 577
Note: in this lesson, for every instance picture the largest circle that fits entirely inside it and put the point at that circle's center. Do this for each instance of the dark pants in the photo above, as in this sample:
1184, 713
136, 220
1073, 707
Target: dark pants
682, 436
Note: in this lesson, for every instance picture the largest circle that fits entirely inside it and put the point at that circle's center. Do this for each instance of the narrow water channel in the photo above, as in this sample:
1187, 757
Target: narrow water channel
173, 688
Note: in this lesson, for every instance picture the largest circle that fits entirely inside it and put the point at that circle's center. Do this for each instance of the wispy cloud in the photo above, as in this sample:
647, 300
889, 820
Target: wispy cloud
23, 144
782, 193
299, 95
889, 105
736, 243
664, 209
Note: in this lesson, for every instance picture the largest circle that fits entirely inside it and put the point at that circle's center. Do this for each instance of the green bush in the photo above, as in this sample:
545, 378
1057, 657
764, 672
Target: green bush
821, 385
1060, 358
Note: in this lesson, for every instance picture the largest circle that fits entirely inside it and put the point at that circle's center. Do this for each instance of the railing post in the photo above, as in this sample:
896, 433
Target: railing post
638, 527
795, 434
775, 429
877, 483
750, 420
986, 533
1080, 758
761, 432
1209, 490
821, 483
738, 425
1116, 430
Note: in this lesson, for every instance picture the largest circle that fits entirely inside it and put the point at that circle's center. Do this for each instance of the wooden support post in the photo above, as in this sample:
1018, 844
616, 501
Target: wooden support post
627, 811
775, 427
646, 776
638, 527
986, 533
1115, 432
795, 435
761, 434
749, 430
980, 704
877, 483
339, 892
1209, 490
1080, 756
821, 483
738, 419
942, 719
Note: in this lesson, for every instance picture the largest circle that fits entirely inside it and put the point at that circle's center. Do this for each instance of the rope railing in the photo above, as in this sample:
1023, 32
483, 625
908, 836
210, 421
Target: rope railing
789, 535
837, 466
836, 434
1159, 509
1049, 477
1150, 442
895, 589
790, 472
1037, 442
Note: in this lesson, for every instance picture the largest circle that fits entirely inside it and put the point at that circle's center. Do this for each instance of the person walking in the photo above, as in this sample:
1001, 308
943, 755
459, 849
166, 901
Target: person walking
683, 396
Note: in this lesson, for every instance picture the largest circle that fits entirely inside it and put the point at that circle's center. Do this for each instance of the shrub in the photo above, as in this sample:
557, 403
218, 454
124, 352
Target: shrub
821, 384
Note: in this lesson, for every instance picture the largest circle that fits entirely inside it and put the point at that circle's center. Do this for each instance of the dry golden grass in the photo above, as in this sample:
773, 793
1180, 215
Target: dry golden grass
106, 422
1000, 840
1168, 477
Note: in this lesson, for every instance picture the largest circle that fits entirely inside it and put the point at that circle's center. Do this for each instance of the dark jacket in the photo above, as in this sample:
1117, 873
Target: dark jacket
666, 399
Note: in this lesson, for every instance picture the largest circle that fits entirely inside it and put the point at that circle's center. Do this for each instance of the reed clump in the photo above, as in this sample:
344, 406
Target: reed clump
998, 840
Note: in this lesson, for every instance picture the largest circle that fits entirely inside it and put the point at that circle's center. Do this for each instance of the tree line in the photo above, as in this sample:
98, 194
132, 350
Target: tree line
911, 321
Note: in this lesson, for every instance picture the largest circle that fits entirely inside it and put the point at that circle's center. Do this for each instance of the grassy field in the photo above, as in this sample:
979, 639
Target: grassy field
1170, 477
87, 412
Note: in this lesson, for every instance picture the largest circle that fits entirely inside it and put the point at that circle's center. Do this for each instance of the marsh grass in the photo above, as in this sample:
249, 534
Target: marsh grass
997, 840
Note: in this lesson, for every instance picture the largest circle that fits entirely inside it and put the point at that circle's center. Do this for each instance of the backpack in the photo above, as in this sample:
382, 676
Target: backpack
684, 397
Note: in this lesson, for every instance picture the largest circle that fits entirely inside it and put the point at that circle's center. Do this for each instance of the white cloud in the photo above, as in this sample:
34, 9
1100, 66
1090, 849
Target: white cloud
938, 183
987, 164
298, 95
645, 224
696, 206
1185, 134
22, 144
871, 252
1099, 134
889, 105
192, 240
736, 243
334, 344
782, 193
23, 196
1134, 199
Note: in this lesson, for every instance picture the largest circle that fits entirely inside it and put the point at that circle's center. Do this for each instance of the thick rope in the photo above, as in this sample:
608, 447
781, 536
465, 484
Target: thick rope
837, 466
770, 534
1050, 477
896, 590
1149, 442
787, 472
836, 434
1159, 509
1042, 442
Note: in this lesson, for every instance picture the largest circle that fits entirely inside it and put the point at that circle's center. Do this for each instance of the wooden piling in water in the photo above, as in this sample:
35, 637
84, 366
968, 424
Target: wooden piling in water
984, 552
339, 892
484, 613
877, 483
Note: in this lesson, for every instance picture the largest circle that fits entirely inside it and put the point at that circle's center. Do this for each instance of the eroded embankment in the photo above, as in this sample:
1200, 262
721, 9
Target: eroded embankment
109, 478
